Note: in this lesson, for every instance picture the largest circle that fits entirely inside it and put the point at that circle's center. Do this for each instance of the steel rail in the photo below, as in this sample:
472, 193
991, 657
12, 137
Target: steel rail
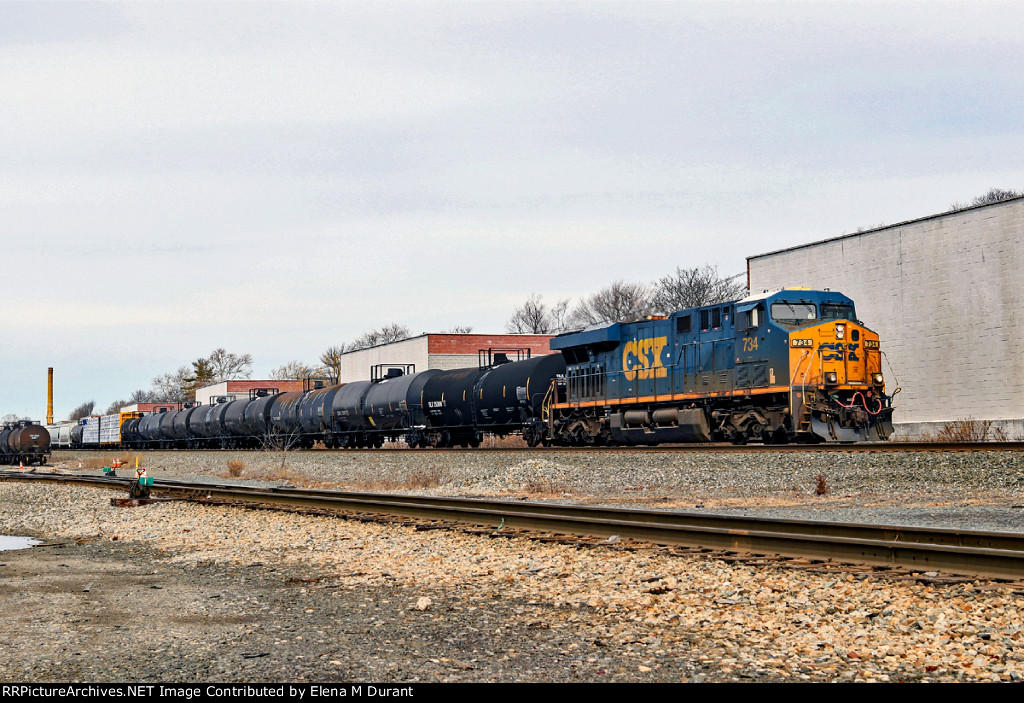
889, 447
991, 554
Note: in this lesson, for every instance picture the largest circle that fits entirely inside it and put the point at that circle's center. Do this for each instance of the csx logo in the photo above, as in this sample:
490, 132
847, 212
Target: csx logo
837, 349
642, 358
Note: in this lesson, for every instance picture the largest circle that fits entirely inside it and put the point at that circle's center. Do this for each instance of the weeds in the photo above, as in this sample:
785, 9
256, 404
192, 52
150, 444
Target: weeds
236, 467
414, 479
966, 430
820, 485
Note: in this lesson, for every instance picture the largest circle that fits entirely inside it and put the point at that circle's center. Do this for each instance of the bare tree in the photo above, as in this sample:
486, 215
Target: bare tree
116, 406
140, 396
226, 366
293, 371
619, 302
385, 335
331, 359
459, 329
534, 317
83, 410
691, 288
11, 417
172, 387
994, 195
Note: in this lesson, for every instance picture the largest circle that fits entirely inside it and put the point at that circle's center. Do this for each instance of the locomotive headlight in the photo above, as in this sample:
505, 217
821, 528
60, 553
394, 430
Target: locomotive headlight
840, 331
832, 377
877, 378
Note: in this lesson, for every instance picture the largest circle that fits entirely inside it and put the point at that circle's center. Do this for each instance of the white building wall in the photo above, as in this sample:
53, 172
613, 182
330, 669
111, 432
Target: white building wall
355, 366
945, 294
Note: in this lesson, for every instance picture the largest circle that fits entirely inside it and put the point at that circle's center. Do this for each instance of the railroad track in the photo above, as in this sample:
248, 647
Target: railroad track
891, 447
989, 554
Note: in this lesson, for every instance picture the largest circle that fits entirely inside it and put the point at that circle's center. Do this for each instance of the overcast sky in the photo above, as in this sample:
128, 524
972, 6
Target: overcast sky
276, 178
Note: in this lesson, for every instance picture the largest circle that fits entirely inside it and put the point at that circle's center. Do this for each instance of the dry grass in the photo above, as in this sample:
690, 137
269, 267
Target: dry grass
236, 467
414, 479
512, 440
820, 485
966, 430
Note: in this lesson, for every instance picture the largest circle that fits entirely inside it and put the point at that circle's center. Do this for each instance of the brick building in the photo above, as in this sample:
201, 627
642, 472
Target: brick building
438, 351
237, 390
946, 295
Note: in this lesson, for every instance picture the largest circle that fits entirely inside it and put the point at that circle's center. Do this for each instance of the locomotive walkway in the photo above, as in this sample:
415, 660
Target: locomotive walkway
991, 554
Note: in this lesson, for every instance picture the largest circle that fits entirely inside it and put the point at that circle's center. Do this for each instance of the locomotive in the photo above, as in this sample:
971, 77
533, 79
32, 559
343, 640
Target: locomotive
795, 365
24, 441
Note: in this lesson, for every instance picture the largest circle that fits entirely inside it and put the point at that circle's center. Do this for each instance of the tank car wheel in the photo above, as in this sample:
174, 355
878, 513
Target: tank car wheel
739, 439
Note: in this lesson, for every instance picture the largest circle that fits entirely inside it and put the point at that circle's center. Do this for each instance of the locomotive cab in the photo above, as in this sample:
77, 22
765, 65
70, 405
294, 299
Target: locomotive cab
832, 363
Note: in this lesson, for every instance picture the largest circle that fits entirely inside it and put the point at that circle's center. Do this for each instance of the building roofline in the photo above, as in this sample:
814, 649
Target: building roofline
881, 229
450, 334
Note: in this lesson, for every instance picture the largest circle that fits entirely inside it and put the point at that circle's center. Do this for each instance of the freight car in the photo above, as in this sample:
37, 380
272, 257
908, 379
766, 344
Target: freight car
25, 442
430, 408
791, 366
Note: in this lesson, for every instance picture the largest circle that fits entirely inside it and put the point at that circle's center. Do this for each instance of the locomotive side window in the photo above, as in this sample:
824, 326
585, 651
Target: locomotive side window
793, 312
705, 320
716, 318
753, 318
683, 324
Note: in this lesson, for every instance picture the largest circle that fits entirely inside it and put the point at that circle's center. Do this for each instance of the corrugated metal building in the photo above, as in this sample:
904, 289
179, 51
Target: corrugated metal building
946, 295
438, 351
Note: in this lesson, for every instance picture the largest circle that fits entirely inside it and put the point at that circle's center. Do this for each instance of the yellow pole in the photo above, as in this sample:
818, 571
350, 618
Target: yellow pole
49, 396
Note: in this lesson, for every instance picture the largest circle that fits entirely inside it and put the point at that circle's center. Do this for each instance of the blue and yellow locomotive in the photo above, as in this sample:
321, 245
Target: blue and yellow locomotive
791, 366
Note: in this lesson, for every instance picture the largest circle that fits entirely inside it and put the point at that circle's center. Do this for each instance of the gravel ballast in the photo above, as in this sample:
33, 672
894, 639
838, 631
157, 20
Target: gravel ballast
183, 592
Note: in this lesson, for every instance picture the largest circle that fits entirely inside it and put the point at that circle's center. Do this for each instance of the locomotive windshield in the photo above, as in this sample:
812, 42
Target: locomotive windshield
794, 312
836, 312
788, 313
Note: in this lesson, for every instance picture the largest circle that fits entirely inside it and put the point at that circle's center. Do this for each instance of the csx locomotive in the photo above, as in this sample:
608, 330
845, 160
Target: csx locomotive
791, 366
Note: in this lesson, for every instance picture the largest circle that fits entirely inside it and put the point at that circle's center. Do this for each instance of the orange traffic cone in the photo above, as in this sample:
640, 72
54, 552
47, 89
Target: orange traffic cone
21, 466
79, 464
